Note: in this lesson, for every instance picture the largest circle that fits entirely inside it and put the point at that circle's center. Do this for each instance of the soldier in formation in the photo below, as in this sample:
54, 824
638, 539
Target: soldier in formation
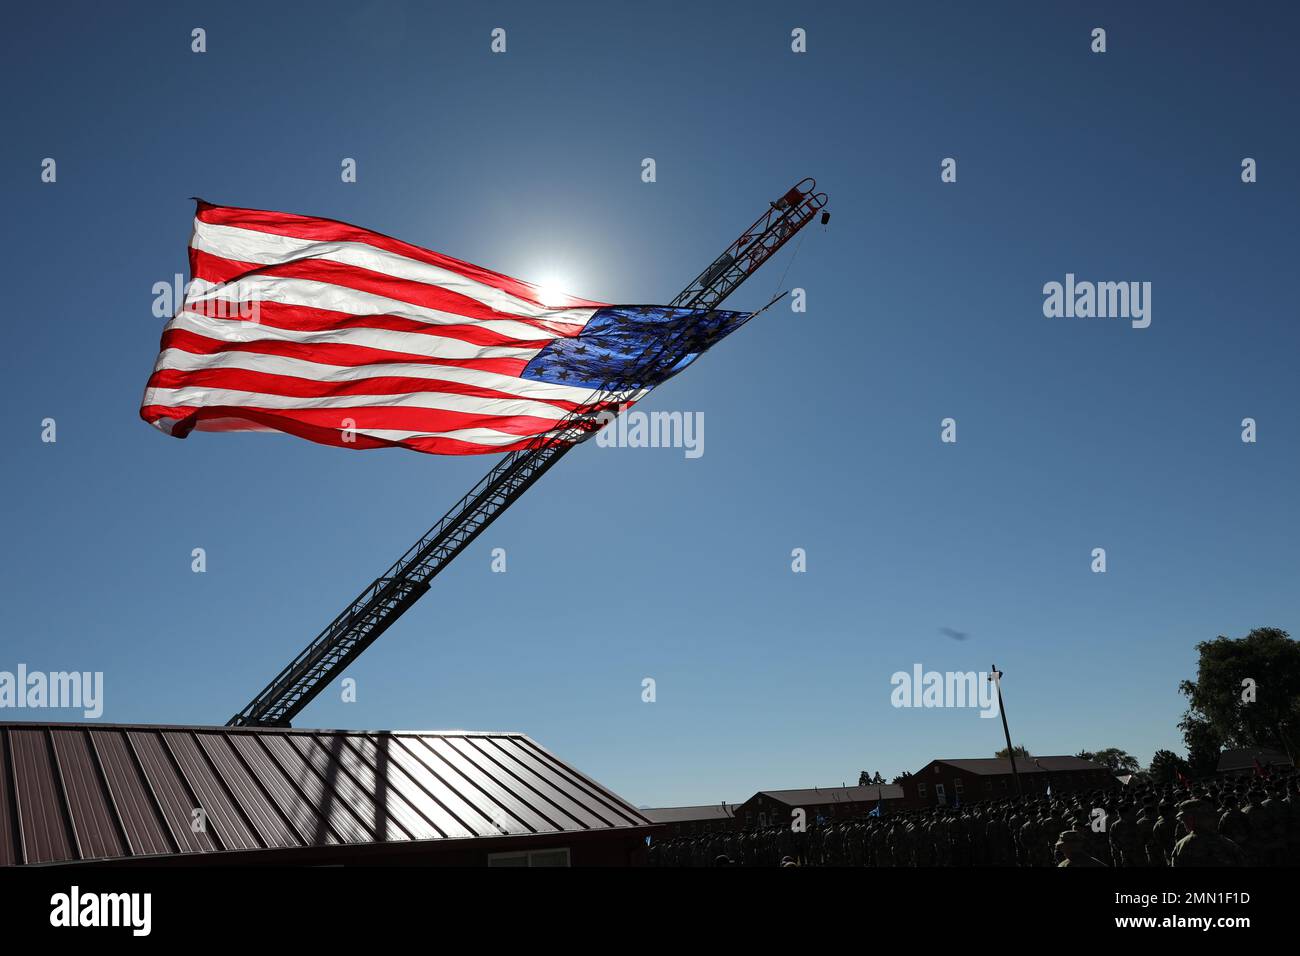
1252, 822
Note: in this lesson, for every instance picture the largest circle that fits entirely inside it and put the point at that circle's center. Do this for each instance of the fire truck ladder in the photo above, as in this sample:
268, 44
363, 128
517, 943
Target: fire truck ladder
385, 600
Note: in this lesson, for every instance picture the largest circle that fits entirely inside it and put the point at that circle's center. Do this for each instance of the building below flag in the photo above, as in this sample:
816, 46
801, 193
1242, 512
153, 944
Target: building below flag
164, 795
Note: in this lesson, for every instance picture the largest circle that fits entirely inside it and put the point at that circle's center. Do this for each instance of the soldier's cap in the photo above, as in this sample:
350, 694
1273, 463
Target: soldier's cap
1071, 838
1194, 806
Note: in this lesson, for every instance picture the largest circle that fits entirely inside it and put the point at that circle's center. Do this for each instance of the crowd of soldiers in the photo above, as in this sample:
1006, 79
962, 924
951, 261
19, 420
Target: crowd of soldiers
1244, 822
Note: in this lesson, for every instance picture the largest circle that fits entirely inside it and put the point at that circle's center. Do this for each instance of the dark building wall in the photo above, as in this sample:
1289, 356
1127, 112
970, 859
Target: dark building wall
922, 788
761, 810
688, 828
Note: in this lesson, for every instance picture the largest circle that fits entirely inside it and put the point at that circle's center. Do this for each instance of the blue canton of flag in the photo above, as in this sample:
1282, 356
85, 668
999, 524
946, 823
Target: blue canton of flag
619, 346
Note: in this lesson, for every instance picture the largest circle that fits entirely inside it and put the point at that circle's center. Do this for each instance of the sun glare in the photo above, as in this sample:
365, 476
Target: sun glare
550, 290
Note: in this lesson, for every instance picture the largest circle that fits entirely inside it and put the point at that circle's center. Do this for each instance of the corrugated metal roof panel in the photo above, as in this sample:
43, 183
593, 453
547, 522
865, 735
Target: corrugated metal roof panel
560, 809
308, 825
325, 757
613, 807
323, 799
262, 815
394, 794
146, 833
821, 795
69, 792
519, 756
708, 813
219, 814
169, 792
492, 817
506, 805
10, 849
458, 814
42, 812
94, 822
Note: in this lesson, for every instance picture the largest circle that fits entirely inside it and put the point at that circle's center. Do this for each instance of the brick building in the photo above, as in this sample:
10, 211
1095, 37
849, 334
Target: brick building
774, 807
1247, 760
953, 782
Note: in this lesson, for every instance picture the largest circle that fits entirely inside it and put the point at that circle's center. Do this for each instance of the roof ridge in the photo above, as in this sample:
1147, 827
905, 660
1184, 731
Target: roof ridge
103, 725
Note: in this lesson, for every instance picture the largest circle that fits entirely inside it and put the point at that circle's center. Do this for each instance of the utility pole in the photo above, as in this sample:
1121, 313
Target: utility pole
995, 676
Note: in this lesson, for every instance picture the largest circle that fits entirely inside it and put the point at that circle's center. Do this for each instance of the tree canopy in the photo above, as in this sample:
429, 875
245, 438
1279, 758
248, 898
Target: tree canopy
1113, 759
1166, 766
1246, 694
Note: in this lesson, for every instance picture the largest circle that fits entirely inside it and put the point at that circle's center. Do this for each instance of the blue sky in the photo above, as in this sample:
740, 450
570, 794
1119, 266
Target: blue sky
822, 428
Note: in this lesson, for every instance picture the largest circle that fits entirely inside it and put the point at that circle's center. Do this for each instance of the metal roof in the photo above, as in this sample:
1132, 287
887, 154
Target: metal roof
72, 792
712, 811
1000, 765
835, 794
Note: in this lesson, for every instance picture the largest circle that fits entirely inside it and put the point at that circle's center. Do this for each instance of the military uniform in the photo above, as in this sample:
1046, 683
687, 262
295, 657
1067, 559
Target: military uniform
1274, 842
1071, 843
1001, 848
1163, 836
1145, 825
1204, 845
1234, 825
1126, 845
1033, 852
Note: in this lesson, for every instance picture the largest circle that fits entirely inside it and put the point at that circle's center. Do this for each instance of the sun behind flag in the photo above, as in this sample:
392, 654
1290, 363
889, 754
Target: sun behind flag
348, 337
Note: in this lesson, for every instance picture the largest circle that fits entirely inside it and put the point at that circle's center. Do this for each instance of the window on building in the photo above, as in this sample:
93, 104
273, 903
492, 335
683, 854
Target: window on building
556, 857
958, 787
921, 790
988, 786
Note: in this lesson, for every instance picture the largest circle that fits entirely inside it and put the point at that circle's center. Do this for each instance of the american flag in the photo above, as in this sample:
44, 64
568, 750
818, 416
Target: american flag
348, 337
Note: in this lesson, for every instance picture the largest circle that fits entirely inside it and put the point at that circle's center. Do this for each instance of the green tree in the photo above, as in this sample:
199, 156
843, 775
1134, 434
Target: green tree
1246, 694
1166, 766
1203, 745
1020, 752
864, 778
1113, 759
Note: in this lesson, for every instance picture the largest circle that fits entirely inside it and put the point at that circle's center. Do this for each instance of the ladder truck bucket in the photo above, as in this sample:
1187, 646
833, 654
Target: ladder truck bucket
791, 198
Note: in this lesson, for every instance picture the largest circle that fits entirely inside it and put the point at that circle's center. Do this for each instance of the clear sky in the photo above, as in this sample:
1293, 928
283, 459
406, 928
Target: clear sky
822, 432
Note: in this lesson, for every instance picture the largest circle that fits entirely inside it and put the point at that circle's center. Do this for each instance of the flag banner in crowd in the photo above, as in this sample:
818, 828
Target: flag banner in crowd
348, 337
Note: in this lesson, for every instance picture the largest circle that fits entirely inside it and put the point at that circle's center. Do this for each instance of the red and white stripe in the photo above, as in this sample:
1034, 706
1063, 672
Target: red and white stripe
357, 340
